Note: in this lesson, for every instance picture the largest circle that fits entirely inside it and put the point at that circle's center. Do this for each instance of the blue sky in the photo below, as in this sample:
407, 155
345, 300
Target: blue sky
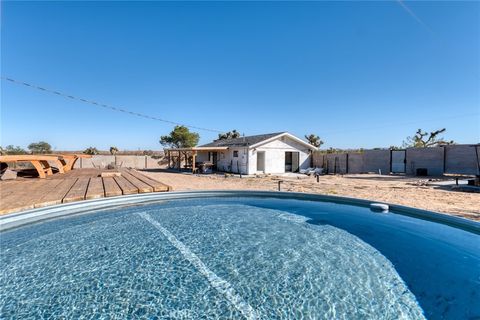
359, 74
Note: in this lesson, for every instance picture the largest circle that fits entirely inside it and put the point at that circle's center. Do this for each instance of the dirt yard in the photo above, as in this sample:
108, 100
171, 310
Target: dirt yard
409, 191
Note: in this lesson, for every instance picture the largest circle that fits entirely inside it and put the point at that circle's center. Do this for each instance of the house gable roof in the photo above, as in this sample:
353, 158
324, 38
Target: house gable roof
242, 141
252, 141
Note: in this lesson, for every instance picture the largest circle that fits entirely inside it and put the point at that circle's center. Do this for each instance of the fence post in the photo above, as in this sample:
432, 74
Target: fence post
346, 163
391, 159
445, 159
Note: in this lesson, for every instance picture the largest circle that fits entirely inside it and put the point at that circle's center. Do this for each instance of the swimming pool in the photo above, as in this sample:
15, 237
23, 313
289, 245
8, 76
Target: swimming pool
253, 255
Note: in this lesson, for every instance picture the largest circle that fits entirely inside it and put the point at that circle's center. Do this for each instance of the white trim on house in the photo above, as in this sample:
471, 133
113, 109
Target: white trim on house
291, 136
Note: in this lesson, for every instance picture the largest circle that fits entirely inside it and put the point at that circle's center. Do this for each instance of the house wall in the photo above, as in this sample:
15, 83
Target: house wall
225, 160
228, 163
275, 155
202, 156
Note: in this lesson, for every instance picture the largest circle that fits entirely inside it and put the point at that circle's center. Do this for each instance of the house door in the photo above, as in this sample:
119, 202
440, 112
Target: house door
295, 161
292, 161
288, 161
213, 158
398, 161
261, 161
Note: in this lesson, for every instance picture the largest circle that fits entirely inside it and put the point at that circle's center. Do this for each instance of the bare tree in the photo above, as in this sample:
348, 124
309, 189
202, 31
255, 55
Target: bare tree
423, 139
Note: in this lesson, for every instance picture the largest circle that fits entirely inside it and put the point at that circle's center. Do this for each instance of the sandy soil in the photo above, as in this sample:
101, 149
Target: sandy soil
409, 191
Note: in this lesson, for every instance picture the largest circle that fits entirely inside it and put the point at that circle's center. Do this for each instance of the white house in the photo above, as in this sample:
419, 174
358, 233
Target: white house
266, 153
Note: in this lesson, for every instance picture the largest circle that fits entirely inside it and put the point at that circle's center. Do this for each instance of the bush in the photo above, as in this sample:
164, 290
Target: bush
11, 149
91, 150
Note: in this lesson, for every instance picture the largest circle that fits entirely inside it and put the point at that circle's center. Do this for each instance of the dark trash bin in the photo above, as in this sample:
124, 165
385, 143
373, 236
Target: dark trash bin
422, 172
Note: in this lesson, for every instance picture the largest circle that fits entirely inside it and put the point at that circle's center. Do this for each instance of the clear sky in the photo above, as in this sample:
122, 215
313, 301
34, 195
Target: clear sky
359, 74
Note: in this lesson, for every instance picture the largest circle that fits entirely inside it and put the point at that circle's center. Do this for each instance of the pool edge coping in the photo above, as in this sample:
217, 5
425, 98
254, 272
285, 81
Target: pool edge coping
18, 219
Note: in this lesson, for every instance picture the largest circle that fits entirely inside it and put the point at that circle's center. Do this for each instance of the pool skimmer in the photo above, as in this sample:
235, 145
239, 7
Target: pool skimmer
379, 207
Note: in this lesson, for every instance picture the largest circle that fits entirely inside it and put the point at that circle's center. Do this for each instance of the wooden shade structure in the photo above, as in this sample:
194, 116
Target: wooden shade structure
186, 152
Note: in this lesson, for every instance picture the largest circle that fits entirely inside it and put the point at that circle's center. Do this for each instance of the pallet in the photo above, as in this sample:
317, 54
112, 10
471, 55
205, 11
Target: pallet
73, 186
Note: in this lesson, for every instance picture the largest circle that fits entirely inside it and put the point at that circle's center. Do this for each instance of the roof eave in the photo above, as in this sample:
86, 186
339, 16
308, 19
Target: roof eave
291, 136
196, 149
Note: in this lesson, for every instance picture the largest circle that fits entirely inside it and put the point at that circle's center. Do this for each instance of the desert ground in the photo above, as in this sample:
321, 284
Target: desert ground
408, 191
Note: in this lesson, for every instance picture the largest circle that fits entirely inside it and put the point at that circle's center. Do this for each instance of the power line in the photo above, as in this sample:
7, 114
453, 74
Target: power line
102, 105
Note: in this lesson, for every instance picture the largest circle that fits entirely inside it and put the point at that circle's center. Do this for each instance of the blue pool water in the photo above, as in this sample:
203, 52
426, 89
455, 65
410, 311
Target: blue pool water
253, 258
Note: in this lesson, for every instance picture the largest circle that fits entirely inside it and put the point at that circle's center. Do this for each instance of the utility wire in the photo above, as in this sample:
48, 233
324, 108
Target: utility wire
207, 129
106, 106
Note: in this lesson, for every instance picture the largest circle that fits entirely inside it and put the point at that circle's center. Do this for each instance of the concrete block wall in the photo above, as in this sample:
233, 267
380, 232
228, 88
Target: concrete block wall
375, 160
356, 163
318, 159
336, 163
156, 163
461, 159
428, 158
101, 161
97, 161
330, 162
137, 162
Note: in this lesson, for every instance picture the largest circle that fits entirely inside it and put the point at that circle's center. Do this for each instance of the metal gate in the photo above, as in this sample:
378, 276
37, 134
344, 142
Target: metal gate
398, 162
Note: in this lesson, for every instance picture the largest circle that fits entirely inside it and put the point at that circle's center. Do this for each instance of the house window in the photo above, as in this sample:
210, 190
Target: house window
235, 154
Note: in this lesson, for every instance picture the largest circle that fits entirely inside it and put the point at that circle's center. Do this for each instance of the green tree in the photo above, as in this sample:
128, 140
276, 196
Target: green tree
314, 140
423, 139
113, 150
91, 151
11, 149
229, 135
180, 137
40, 147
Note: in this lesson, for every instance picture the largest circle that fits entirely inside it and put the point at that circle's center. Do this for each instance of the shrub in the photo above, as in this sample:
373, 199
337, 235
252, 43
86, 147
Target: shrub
91, 150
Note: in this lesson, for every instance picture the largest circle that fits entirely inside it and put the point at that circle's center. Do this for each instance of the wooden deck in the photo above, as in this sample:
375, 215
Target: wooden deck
76, 185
